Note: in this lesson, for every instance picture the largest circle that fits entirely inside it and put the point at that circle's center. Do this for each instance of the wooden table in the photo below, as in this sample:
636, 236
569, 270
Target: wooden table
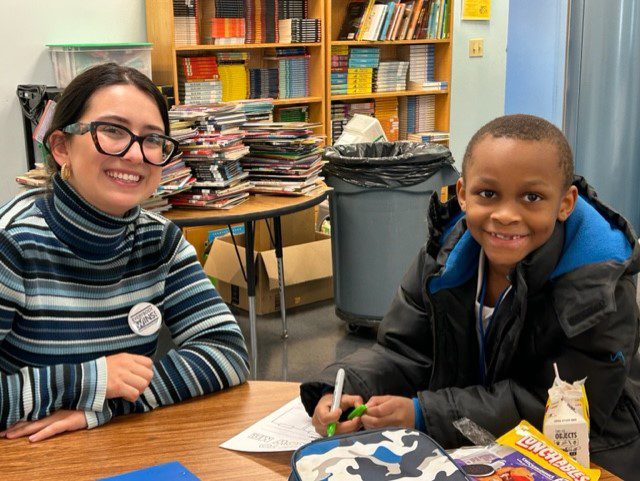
189, 432
256, 208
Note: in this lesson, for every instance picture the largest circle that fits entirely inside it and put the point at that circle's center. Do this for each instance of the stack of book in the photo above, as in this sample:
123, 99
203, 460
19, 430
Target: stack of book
256, 110
364, 57
185, 22
284, 159
386, 111
213, 157
198, 80
422, 69
227, 8
342, 112
261, 21
293, 9
391, 76
299, 30
417, 114
339, 69
263, 83
227, 31
360, 81
299, 113
436, 136
421, 63
232, 70
362, 62
176, 179
293, 72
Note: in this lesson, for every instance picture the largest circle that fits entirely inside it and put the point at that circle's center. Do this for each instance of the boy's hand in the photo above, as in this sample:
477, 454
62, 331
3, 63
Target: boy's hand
128, 375
323, 416
56, 423
384, 411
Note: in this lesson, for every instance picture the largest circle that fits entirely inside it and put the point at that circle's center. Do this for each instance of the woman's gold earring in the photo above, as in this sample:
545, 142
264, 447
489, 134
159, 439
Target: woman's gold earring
65, 172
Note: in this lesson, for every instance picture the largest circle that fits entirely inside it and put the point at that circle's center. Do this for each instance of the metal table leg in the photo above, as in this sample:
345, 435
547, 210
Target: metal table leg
278, 244
251, 294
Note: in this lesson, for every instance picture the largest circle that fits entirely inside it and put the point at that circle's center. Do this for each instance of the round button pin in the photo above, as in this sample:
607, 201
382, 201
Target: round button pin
145, 319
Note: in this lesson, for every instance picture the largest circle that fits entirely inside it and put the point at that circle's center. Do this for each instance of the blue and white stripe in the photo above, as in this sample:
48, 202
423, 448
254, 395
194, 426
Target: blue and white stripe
69, 275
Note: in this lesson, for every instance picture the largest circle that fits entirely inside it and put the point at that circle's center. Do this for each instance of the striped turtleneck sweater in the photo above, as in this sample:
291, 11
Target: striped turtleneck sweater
69, 276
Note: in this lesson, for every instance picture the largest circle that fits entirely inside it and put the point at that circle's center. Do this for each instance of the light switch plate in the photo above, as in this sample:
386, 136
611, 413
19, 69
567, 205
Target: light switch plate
476, 47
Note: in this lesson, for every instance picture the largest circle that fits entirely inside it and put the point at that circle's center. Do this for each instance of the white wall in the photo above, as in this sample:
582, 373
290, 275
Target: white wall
477, 84
26, 26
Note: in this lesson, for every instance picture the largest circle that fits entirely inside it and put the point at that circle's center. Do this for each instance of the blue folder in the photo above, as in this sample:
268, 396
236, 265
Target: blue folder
173, 471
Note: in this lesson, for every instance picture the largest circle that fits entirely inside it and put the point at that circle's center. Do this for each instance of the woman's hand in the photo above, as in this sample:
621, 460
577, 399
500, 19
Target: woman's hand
56, 423
323, 416
385, 411
128, 375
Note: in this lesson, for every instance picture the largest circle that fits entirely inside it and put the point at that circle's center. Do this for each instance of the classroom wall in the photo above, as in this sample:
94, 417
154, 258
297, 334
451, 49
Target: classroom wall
25, 28
537, 41
477, 84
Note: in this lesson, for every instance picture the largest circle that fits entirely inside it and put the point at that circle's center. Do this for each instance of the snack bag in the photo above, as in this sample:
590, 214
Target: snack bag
543, 451
522, 454
566, 418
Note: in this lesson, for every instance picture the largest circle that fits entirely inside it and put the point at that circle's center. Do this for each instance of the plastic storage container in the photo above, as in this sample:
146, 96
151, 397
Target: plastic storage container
376, 231
70, 60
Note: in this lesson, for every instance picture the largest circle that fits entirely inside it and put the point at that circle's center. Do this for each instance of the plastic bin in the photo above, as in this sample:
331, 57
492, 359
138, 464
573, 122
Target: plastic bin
70, 60
375, 233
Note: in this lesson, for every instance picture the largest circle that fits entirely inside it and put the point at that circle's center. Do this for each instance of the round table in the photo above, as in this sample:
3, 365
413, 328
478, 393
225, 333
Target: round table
256, 208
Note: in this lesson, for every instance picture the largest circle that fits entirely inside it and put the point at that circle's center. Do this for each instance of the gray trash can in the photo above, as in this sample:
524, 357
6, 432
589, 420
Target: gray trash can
378, 220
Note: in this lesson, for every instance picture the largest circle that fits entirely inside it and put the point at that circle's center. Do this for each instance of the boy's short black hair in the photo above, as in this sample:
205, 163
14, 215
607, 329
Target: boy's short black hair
525, 127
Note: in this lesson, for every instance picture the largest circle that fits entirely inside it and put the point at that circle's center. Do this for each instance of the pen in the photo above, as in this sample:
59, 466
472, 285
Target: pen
335, 402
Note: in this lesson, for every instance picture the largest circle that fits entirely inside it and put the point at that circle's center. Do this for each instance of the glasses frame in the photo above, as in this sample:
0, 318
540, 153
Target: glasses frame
81, 128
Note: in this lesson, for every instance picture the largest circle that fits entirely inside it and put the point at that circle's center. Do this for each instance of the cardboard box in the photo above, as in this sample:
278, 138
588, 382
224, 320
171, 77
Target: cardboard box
297, 228
307, 273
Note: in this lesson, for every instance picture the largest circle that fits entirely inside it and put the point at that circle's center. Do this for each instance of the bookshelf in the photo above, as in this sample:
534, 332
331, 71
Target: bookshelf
335, 12
165, 54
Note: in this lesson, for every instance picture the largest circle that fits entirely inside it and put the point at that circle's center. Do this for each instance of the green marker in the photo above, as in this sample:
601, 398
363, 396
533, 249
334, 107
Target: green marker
358, 411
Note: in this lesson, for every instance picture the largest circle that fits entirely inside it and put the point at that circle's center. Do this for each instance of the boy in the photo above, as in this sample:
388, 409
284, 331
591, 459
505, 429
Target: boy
523, 269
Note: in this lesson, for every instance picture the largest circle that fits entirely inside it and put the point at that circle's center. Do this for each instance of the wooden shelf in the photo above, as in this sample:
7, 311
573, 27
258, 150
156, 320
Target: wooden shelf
380, 95
390, 42
166, 55
390, 50
241, 46
297, 100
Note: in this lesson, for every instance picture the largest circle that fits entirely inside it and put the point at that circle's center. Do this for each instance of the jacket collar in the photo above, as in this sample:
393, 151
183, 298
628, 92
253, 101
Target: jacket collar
83, 228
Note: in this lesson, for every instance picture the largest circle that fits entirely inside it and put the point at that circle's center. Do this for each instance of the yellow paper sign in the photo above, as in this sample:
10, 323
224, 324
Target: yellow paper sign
476, 10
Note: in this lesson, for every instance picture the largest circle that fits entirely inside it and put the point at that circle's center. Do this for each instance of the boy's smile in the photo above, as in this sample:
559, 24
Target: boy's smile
513, 191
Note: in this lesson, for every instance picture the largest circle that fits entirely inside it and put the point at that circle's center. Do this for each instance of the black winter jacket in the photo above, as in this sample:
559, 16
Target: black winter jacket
573, 302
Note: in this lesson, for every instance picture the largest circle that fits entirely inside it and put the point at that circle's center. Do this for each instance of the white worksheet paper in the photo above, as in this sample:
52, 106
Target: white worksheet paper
286, 429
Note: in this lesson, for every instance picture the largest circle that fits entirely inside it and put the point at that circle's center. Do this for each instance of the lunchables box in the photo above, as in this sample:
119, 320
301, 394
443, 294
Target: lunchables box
522, 454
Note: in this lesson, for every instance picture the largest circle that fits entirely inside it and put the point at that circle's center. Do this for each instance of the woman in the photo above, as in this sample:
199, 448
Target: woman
87, 277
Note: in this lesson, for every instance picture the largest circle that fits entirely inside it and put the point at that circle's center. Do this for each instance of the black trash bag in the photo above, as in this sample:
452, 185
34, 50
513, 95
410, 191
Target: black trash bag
386, 164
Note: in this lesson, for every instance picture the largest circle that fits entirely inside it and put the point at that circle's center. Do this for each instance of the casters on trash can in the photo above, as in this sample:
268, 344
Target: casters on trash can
353, 328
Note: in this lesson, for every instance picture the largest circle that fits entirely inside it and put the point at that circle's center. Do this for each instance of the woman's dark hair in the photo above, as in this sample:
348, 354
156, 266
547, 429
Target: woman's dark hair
75, 97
